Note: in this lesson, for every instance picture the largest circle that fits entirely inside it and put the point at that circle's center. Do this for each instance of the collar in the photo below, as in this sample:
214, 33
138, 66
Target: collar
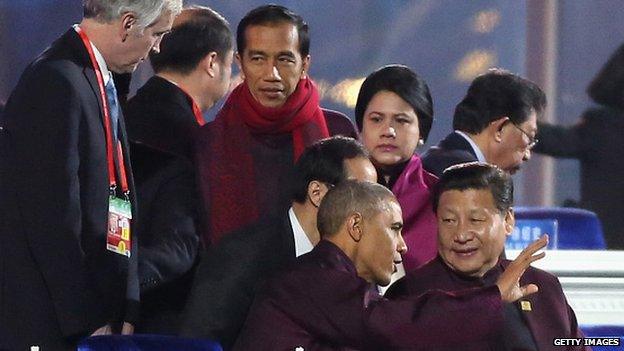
106, 74
475, 147
303, 244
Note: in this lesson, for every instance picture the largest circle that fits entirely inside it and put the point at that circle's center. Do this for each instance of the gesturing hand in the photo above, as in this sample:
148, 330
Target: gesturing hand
509, 282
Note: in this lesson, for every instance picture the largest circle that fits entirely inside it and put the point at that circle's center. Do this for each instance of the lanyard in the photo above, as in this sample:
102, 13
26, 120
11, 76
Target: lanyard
107, 124
196, 110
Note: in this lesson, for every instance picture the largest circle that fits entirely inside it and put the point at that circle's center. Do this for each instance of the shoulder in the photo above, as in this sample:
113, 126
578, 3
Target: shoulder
339, 124
436, 159
417, 281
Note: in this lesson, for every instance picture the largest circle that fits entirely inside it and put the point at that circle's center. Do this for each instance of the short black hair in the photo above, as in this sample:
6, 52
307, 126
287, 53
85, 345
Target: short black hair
495, 94
404, 82
476, 175
607, 88
270, 15
323, 161
348, 197
189, 42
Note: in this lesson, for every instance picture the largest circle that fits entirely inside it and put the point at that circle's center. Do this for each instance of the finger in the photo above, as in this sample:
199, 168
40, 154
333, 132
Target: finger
533, 248
528, 289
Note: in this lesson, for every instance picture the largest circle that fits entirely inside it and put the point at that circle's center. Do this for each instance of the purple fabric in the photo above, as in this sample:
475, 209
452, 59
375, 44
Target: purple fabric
322, 304
550, 315
414, 190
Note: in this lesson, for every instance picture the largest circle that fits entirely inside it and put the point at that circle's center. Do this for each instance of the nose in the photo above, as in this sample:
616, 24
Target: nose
389, 131
156, 47
401, 246
272, 74
527, 155
464, 234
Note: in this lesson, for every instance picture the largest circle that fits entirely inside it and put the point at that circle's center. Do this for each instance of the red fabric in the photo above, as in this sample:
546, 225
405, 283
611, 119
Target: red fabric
231, 196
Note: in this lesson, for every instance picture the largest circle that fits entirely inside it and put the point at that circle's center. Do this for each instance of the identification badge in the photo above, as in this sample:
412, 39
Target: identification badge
118, 238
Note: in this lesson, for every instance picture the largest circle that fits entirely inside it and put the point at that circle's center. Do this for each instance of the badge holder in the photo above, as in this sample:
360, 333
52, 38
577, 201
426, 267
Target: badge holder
118, 237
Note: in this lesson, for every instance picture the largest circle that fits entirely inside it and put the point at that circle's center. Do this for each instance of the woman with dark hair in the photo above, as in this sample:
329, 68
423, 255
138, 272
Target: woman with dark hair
394, 113
597, 141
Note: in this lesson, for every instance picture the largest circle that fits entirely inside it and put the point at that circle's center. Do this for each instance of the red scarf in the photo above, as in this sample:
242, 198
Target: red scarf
226, 166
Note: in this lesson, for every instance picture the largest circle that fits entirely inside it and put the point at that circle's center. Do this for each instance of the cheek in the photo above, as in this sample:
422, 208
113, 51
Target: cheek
369, 136
408, 140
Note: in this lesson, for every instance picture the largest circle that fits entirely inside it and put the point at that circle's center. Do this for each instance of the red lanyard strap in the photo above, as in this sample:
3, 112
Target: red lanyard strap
107, 119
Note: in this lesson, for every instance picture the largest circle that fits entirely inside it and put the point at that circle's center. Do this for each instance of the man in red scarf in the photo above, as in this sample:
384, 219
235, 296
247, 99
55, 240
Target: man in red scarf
246, 157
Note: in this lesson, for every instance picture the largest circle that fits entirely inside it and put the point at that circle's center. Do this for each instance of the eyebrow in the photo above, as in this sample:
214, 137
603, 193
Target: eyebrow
400, 114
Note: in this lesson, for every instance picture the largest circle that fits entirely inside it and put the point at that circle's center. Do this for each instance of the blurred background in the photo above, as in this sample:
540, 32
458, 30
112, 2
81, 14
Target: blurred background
558, 44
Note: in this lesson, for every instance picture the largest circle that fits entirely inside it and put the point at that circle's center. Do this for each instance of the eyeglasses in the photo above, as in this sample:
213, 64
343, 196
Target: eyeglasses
532, 140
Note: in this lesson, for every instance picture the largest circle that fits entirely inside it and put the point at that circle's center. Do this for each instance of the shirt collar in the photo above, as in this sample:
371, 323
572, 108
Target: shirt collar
475, 147
303, 244
106, 74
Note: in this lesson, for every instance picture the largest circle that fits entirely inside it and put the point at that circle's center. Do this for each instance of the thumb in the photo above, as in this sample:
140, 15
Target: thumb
528, 290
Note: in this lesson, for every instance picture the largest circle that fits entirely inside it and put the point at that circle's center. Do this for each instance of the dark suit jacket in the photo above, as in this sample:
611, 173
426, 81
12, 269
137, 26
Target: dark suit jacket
322, 304
597, 141
160, 123
452, 150
228, 275
58, 280
550, 315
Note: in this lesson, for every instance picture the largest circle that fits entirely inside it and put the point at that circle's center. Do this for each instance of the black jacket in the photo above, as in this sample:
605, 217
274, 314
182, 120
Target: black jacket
452, 150
161, 125
58, 280
597, 141
229, 275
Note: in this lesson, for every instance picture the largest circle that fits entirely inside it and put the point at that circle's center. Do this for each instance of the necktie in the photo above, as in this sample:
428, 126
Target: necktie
113, 105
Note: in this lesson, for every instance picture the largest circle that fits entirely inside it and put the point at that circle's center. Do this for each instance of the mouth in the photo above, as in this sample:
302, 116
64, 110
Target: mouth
395, 266
386, 147
272, 92
465, 251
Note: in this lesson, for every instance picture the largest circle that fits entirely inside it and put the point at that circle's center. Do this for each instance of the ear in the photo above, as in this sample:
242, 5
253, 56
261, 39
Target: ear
239, 63
128, 22
510, 221
316, 192
210, 64
496, 128
305, 67
354, 226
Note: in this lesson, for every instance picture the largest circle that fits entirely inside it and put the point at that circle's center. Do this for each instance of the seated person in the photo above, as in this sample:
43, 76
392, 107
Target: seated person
328, 299
229, 272
473, 202
394, 113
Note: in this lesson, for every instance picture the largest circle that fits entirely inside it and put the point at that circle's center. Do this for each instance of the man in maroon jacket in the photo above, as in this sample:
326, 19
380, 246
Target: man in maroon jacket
473, 204
328, 300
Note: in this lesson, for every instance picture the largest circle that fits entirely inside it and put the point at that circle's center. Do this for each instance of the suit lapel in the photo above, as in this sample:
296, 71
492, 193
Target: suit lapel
288, 238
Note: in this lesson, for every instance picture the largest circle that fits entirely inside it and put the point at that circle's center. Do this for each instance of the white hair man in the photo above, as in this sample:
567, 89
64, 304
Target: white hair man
68, 253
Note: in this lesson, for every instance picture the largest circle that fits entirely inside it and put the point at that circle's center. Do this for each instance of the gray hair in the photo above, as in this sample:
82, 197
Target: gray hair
147, 11
348, 197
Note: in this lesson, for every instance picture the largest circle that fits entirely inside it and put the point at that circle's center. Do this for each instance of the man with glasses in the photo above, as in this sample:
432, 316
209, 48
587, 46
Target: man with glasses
496, 122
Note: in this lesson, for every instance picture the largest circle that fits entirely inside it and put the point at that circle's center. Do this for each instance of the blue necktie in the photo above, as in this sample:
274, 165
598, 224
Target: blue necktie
113, 105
